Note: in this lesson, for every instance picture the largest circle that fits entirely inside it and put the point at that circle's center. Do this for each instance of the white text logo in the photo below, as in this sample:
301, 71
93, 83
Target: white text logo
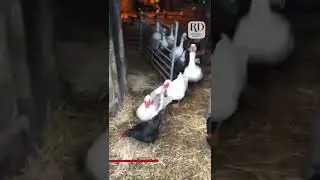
196, 29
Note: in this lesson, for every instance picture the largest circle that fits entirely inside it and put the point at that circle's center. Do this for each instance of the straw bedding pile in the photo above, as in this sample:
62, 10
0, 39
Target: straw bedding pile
183, 152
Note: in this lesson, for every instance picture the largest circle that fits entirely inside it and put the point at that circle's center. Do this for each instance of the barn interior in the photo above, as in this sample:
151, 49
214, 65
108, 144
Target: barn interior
145, 72
266, 139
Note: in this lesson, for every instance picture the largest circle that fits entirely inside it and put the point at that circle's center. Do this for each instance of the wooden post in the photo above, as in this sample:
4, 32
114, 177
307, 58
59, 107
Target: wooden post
16, 43
115, 20
114, 93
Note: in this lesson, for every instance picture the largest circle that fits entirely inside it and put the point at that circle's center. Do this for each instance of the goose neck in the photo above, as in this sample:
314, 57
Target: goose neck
164, 38
259, 8
161, 101
192, 57
181, 41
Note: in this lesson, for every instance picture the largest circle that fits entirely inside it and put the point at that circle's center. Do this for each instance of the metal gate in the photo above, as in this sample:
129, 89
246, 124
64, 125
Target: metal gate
160, 60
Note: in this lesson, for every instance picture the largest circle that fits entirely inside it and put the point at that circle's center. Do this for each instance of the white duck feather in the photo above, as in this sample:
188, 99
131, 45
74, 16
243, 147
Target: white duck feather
156, 37
170, 38
193, 72
164, 43
265, 34
177, 51
146, 110
177, 88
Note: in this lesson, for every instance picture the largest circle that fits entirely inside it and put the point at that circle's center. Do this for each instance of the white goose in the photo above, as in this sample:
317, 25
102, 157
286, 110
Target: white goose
159, 91
265, 34
177, 51
146, 110
229, 73
183, 57
193, 72
150, 108
164, 44
156, 37
170, 38
177, 88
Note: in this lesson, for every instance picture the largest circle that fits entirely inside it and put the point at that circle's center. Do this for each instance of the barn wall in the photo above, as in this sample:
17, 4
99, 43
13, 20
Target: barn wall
26, 71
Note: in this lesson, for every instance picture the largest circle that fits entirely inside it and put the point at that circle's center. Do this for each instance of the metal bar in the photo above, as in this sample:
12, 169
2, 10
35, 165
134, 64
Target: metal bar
174, 47
163, 76
165, 69
159, 63
161, 60
167, 49
160, 69
149, 53
165, 56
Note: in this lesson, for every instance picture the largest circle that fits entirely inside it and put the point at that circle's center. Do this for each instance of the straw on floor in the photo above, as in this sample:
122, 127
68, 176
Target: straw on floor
183, 152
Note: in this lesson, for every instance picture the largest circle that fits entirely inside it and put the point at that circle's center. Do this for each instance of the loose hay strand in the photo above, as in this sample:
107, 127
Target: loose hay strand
183, 152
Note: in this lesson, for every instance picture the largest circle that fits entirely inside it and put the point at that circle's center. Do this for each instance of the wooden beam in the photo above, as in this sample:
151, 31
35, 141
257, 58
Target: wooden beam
117, 37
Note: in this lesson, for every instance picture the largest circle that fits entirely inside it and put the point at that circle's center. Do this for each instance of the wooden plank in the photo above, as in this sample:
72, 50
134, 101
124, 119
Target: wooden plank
115, 20
113, 80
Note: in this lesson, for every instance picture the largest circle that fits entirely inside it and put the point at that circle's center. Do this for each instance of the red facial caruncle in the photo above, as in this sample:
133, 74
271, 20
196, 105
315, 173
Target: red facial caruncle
166, 84
147, 101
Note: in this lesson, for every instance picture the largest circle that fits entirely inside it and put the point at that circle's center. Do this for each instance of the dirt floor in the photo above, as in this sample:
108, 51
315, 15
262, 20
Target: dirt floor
268, 137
